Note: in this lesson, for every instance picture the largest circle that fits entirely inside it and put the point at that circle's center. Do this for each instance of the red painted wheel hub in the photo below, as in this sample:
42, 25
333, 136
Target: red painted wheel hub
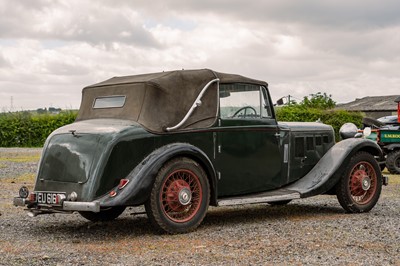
363, 182
181, 195
178, 195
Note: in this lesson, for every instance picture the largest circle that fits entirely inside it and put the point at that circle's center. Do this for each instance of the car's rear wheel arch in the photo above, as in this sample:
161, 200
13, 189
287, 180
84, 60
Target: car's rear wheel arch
143, 176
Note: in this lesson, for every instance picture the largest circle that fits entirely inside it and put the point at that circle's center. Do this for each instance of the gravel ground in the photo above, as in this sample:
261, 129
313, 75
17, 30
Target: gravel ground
313, 231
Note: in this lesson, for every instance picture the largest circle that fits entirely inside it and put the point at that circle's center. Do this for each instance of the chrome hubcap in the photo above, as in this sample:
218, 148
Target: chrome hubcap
185, 196
366, 183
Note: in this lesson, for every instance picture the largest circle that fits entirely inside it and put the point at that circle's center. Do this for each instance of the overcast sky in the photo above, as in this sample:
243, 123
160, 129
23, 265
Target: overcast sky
50, 50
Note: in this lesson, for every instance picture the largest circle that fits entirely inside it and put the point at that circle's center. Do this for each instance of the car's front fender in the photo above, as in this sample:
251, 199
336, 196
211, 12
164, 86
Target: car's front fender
327, 172
141, 178
392, 147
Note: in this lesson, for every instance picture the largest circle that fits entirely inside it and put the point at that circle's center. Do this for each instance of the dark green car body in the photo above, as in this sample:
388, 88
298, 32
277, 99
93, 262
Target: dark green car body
123, 133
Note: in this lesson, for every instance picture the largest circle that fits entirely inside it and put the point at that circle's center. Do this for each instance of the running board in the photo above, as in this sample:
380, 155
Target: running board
272, 196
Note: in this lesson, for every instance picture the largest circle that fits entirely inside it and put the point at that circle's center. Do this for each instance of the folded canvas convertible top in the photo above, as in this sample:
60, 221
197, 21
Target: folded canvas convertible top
160, 100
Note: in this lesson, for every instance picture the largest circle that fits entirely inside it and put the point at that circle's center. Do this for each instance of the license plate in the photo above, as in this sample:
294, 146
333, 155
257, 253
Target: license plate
48, 198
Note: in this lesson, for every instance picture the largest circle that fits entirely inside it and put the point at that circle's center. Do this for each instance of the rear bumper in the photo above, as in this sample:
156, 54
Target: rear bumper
66, 206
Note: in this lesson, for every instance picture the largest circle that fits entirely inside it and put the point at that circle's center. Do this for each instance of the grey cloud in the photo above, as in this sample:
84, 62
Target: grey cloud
362, 28
106, 30
347, 14
66, 69
371, 45
3, 62
344, 47
85, 22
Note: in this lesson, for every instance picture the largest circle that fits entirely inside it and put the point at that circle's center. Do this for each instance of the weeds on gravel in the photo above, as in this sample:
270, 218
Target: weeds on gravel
394, 180
20, 159
22, 179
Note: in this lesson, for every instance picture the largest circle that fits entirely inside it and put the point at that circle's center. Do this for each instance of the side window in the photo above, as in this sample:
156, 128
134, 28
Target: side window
243, 101
299, 147
265, 104
310, 143
318, 140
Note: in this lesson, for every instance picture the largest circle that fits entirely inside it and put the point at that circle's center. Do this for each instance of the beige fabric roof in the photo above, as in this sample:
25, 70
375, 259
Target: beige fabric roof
160, 100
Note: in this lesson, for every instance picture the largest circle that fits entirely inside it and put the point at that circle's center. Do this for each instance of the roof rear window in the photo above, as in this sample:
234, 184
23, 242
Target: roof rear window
109, 102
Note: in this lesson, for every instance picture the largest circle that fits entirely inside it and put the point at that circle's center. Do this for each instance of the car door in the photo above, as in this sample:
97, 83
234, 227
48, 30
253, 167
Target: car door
248, 157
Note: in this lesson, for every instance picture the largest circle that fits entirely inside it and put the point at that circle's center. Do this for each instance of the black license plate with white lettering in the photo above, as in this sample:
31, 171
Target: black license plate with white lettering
50, 198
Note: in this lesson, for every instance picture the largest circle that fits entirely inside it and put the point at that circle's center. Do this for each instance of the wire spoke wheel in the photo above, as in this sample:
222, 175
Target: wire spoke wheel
359, 188
179, 198
181, 195
363, 183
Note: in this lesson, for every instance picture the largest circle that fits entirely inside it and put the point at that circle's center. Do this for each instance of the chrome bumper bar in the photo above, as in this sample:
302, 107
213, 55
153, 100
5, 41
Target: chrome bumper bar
93, 206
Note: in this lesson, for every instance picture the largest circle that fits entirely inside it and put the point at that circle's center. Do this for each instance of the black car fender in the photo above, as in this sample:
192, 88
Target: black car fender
142, 177
327, 172
392, 147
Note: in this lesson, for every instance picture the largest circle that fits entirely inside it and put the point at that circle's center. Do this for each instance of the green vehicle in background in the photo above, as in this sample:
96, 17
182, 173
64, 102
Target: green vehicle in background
179, 141
389, 140
386, 132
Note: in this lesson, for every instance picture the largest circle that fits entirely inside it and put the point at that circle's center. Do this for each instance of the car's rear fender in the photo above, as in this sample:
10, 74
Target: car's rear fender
141, 178
327, 172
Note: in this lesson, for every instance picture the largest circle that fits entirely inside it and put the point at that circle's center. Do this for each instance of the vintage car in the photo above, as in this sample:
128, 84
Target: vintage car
179, 141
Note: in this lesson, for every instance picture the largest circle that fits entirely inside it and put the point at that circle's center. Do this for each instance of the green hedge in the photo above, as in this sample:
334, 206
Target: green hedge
24, 129
334, 118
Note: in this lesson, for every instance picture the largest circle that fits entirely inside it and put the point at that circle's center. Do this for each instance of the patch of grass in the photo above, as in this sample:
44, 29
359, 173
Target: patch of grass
20, 159
24, 178
394, 180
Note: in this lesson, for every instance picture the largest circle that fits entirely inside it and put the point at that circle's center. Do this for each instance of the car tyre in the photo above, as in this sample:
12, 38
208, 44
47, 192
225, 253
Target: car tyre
179, 198
104, 215
393, 162
360, 186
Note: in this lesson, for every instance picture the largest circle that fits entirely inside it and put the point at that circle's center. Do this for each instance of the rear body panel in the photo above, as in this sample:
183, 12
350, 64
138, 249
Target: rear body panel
75, 157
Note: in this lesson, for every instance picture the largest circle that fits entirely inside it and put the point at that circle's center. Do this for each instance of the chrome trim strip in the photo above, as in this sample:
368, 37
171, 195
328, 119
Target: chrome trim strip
196, 104
286, 153
240, 201
93, 206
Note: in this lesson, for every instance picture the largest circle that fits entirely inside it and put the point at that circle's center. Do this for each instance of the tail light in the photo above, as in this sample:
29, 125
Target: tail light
123, 183
32, 197
60, 198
